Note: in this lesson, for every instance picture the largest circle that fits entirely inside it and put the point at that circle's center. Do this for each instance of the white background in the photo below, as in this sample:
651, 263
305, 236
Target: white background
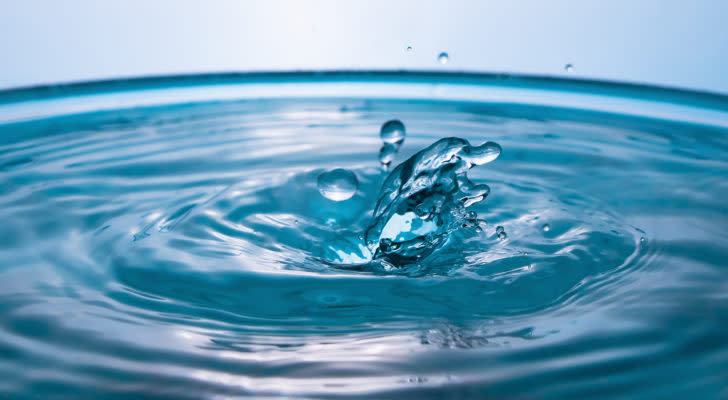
664, 42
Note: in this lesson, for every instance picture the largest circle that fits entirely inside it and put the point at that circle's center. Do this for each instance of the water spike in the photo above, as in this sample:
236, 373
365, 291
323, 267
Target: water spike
424, 199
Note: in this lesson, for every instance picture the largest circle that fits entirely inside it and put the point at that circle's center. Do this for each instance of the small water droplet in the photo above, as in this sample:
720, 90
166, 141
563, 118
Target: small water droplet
338, 184
546, 227
499, 229
443, 58
409, 48
392, 132
502, 236
569, 68
643, 240
386, 154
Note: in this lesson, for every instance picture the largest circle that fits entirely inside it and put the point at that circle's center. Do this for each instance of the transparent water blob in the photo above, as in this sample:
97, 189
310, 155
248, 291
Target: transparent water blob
338, 184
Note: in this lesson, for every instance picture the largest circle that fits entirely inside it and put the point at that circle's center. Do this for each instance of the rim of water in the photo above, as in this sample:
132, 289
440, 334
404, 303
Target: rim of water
24, 104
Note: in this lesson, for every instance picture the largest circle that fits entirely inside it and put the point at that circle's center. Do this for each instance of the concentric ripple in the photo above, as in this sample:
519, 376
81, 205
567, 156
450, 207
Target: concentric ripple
185, 251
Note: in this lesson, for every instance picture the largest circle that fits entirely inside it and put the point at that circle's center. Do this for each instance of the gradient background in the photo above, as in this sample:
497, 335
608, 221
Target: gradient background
665, 42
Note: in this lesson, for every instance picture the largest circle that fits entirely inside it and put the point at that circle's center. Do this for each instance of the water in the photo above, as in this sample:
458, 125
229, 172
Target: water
422, 202
443, 58
168, 239
338, 184
392, 134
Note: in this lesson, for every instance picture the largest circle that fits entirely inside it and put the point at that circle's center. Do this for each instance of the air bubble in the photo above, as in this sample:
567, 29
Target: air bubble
337, 185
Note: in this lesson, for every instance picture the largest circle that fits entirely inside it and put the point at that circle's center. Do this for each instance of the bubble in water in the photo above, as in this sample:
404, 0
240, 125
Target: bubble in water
392, 132
338, 184
546, 227
569, 68
443, 58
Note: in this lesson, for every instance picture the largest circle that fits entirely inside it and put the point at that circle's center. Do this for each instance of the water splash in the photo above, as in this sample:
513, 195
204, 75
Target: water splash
425, 198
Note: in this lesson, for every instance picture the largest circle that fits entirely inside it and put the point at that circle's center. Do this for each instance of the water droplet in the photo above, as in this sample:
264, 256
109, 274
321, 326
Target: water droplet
499, 229
502, 236
337, 185
387, 153
443, 58
569, 68
392, 132
643, 240
546, 227
500, 232
409, 48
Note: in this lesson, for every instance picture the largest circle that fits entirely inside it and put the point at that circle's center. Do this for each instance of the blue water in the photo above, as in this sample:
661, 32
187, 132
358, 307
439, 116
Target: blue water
167, 238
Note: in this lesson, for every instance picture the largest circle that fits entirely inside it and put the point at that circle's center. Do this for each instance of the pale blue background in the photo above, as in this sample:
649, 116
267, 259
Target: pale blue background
665, 42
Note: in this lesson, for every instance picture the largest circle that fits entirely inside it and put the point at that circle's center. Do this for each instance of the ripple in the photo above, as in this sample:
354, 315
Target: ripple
180, 251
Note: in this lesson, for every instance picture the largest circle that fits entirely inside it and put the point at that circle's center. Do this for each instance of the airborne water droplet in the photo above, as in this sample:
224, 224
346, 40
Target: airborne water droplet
392, 132
546, 227
409, 48
569, 68
387, 153
443, 58
501, 232
337, 185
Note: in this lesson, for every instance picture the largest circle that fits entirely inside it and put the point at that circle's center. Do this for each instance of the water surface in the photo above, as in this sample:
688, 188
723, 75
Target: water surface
167, 239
